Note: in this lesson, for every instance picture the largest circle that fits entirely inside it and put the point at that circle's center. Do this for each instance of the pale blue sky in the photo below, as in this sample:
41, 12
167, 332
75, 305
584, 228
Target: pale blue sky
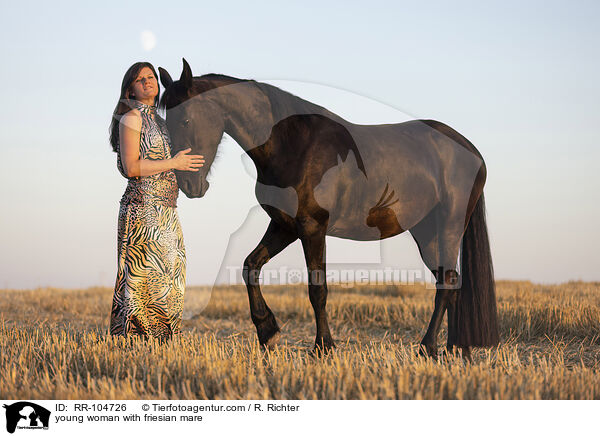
520, 80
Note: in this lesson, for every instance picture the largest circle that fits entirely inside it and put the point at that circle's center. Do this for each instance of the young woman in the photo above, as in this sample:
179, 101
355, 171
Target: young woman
150, 285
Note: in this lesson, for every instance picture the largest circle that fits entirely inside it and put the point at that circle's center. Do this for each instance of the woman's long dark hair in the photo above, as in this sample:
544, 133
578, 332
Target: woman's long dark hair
122, 106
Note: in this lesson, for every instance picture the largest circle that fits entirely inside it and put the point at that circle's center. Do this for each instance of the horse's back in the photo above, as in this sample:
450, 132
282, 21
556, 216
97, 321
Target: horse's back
414, 165
398, 164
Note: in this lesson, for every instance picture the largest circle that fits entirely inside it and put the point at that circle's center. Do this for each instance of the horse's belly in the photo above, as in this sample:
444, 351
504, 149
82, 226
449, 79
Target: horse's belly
358, 231
379, 207
284, 200
370, 223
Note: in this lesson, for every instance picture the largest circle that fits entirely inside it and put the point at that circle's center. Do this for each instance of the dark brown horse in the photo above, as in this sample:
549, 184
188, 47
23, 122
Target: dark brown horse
318, 174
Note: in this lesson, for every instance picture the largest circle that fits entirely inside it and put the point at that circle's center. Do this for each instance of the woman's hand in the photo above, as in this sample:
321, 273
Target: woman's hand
187, 162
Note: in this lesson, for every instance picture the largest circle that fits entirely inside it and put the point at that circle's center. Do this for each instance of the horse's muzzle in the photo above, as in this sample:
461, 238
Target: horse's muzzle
192, 191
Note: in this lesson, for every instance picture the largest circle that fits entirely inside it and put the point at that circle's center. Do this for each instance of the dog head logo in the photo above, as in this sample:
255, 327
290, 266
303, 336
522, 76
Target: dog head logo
26, 415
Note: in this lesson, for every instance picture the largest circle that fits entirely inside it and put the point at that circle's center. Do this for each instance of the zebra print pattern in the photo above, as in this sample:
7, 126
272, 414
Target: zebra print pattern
150, 284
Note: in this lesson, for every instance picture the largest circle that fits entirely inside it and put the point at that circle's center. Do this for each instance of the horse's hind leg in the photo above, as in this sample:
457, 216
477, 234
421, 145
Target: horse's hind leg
452, 321
275, 239
452, 307
429, 341
439, 250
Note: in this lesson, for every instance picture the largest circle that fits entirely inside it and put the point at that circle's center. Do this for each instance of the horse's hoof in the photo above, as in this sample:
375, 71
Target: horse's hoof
322, 349
428, 351
272, 342
319, 352
447, 354
466, 354
267, 332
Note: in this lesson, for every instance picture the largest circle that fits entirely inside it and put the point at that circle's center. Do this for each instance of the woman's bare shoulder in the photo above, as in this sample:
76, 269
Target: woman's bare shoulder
132, 119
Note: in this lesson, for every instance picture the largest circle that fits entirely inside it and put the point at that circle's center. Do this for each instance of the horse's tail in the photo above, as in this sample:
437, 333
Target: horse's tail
476, 309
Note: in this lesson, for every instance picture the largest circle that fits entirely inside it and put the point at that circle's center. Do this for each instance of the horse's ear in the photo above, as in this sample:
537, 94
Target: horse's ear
165, 77
186, 74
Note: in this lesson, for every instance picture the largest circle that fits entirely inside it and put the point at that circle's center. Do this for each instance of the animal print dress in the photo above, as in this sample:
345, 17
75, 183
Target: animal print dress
150, 284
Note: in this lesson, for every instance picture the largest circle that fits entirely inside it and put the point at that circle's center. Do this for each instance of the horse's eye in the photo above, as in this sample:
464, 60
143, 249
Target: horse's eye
185, 122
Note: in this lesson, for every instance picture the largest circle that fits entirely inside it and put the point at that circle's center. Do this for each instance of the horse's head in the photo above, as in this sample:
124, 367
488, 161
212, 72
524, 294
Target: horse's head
194, 120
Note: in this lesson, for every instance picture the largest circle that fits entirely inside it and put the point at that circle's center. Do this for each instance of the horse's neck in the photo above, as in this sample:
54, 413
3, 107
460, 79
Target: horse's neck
249, 121
252, 117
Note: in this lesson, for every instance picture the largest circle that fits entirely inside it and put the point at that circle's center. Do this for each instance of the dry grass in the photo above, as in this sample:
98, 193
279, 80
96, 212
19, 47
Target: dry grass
54, 345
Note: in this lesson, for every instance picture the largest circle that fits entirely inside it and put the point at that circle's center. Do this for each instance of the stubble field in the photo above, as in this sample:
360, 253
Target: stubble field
54, 344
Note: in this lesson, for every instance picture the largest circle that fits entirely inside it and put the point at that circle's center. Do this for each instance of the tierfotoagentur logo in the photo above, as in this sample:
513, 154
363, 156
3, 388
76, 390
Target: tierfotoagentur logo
26, 415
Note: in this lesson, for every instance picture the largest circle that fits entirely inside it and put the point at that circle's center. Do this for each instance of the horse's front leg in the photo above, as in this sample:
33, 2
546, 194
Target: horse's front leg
312, 235
275, 239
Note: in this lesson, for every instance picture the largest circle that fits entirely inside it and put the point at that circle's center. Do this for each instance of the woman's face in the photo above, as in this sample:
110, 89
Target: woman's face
144, 87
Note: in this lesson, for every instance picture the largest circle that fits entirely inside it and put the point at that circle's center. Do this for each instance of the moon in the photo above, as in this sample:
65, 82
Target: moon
148, 40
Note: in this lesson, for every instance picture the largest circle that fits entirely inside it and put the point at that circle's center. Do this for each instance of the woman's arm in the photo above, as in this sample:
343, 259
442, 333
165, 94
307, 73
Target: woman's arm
129, 142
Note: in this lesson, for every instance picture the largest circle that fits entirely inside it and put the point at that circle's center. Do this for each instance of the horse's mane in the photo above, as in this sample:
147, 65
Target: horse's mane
283, 103
210, 81
174, 95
